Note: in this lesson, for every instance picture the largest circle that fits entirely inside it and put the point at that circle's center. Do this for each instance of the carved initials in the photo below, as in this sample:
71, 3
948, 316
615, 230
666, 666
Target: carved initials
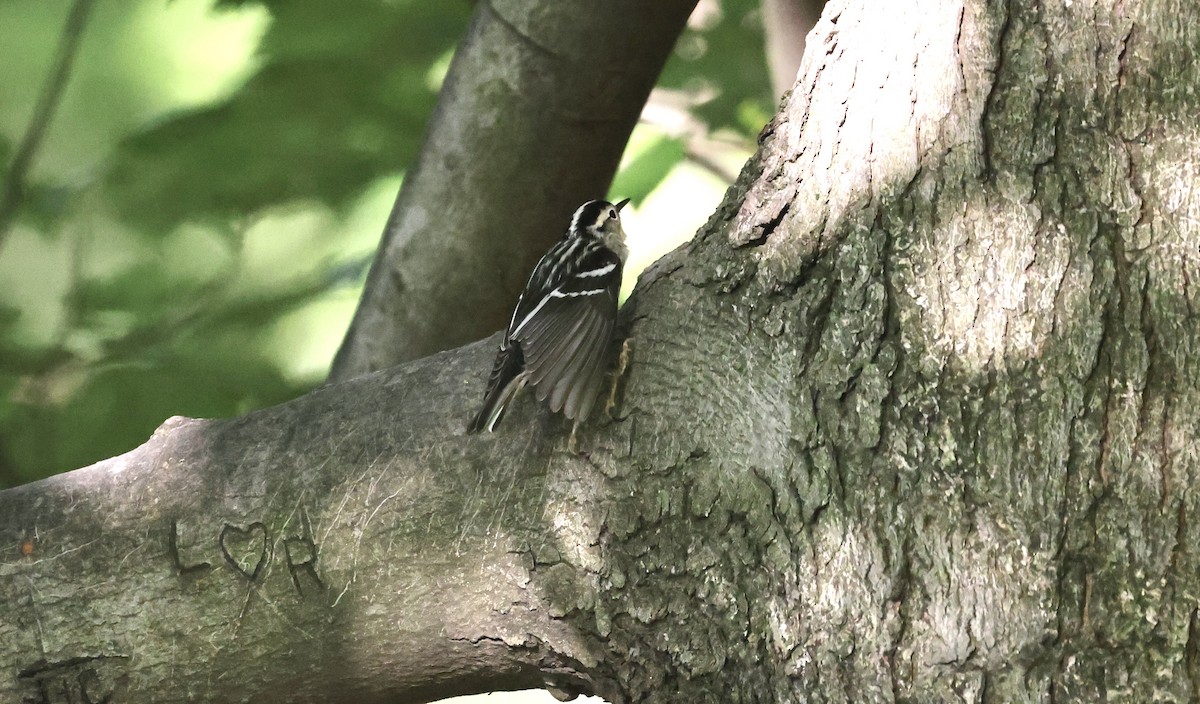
98, 679
247, 550
301, 553
193, 570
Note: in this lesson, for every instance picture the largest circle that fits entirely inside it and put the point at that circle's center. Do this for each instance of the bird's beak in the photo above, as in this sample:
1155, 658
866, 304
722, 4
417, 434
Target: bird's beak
621, 205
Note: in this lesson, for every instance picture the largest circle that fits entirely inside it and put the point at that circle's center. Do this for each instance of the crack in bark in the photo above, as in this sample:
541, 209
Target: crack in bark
1191, 651
989, 101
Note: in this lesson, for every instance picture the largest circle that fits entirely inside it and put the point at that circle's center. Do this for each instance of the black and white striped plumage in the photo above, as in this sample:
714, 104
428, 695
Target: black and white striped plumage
558, 337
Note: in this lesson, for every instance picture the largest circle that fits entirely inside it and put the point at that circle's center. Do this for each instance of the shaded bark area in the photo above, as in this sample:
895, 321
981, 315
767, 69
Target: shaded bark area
341, 548
531, 121
910, 420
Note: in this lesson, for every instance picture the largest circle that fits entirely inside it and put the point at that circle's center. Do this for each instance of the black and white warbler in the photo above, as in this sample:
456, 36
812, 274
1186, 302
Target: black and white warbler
558, 337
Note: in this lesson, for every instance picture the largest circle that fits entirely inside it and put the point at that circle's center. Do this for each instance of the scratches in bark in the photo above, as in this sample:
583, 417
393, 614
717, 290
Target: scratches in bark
522, 36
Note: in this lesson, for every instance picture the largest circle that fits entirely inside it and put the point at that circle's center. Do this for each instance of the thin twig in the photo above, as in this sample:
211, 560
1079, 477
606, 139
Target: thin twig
43, 113
670, 111
710, 165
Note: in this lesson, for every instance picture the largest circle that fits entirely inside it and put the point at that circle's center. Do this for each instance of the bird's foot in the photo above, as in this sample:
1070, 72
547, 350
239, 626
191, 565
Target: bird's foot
618, 374
572, 447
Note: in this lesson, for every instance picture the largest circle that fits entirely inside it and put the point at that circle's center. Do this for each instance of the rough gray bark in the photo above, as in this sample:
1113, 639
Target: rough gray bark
912, 419
342, 548
531, 121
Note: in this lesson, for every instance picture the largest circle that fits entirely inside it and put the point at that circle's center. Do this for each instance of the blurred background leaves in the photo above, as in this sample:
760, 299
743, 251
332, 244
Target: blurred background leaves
193, 227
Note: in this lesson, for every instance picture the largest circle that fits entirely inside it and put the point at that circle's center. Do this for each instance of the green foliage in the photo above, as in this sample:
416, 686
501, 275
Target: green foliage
647, 168
340, 100
723, 59
196, 225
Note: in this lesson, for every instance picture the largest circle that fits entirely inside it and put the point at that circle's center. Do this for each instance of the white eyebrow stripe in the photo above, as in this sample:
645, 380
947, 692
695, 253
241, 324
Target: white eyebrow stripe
576, 216
597, 272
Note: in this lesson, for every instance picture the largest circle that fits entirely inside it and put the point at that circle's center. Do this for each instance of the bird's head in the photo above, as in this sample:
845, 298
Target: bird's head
602, 219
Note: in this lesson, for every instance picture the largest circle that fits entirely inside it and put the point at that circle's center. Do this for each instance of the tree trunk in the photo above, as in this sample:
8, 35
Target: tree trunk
910, 420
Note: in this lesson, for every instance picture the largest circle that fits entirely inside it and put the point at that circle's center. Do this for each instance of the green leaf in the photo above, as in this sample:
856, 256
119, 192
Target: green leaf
141, 289
116, 409
728, 58
341, 99
44, 206
18, 356
648, 169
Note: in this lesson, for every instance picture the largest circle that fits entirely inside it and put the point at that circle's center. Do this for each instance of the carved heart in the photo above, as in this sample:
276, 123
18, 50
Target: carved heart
246, 549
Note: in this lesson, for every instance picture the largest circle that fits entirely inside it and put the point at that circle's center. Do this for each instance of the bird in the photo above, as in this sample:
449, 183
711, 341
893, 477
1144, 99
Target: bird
558, 336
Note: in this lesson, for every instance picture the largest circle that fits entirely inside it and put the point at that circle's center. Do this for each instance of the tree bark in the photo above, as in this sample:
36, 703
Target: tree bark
341, 548
531, 121
911, 419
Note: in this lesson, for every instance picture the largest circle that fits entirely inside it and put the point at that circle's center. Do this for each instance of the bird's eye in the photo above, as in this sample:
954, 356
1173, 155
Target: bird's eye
612, 213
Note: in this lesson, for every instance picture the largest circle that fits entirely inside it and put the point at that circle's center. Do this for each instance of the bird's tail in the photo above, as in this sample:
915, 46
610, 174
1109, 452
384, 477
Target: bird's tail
508, 377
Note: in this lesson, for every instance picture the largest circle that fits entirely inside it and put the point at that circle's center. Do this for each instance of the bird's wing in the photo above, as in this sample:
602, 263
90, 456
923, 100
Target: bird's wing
552, 271
565, 333
505, 382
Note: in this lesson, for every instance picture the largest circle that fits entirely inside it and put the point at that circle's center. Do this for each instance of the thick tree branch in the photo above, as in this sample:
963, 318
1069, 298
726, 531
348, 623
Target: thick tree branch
531, 122
351, 546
